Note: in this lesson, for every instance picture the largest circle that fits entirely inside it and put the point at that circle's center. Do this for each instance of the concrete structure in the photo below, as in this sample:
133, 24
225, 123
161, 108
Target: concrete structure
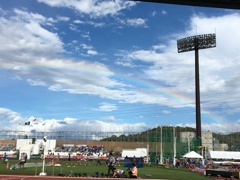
27, 146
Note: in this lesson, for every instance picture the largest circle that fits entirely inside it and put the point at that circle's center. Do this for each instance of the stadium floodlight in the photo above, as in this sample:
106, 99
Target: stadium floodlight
195, 43
203, 41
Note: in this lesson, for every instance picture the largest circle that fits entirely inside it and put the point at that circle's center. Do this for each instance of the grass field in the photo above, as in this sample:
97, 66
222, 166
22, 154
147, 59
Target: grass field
156, 172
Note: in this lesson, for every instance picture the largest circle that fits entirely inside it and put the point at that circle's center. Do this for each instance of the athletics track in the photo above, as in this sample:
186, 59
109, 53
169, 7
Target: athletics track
27, 177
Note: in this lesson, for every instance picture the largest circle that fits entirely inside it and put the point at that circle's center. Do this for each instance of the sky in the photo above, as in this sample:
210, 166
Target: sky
113, 66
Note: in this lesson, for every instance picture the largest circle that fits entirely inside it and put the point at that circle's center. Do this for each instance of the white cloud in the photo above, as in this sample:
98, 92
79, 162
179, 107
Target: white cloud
94, 24
94, 8
63, 18
89, 49
25, 40
92, 52
137, 22
9, 116
218, 66
13, 120
163, 12
166, 112
107, 107
109, 118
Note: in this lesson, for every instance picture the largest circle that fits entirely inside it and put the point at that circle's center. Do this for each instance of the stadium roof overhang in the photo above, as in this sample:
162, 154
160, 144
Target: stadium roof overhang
228, 4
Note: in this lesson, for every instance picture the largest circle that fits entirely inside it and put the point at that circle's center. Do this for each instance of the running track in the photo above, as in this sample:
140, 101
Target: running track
26, 177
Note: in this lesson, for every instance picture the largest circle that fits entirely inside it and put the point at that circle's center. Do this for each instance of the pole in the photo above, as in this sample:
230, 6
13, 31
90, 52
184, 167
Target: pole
43, 173
195, 43
205, 152
36, 169
161, 155
197, 89
188, 143
174, 146
156, 142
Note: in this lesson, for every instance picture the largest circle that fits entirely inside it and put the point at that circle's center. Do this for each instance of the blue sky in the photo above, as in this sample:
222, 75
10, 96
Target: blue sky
114, 66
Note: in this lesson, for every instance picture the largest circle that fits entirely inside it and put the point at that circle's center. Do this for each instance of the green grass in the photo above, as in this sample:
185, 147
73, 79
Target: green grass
156, 172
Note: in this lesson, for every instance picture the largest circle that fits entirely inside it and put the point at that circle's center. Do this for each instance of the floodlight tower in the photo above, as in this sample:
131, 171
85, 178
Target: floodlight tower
194, 43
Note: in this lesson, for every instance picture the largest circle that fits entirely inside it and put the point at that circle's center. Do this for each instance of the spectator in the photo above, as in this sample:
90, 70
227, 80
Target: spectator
149, 161
69, 157
177, 162
22, 161
110, 164
4, 157
25, 157
133, 172
99, 160
157, 161
167, 162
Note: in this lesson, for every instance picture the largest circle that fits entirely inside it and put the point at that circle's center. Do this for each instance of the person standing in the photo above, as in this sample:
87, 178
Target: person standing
69, 157
22, 160
167, 162
149, 161
4, 157
185, 162
25, 157
157, 161
99, 160
111, 163
177, 162
117, 161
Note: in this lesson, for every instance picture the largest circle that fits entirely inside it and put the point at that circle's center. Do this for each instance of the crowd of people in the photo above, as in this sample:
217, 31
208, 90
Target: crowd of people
117, 173
189, 163
81, 149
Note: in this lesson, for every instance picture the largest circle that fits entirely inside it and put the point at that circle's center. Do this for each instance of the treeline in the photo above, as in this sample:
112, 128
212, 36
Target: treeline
154, 135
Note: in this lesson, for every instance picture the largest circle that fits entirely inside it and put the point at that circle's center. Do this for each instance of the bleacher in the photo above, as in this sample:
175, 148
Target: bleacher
82, 150
9, 149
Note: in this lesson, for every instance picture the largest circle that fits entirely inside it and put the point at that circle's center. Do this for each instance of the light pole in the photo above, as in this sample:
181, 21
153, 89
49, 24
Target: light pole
188, 142
43, 173
161, 148
213, 144
196, 43
174, 146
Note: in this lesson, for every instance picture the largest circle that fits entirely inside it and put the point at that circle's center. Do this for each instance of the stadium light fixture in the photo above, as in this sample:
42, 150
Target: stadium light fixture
195, 43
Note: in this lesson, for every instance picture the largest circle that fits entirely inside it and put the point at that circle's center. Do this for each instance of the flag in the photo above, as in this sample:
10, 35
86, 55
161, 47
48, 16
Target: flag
27, 123
35, 121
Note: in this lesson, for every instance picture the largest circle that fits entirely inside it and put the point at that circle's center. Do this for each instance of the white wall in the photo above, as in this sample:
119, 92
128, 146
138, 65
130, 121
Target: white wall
28, 149
22, 144
138, 152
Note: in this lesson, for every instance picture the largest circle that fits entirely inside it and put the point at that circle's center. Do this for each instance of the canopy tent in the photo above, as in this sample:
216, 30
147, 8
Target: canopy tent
225, 155
193, 154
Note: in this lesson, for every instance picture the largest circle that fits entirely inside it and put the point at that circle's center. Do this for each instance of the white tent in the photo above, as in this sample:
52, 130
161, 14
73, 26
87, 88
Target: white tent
193, 154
